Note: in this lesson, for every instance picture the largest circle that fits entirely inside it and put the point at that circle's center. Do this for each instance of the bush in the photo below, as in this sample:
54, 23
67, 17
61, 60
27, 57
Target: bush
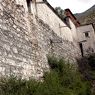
70, 78
91, 61
87, 68
63, 79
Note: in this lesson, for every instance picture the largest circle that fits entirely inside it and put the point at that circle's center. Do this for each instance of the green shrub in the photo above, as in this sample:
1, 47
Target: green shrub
70, 78
87, 68
63, 79
91, 61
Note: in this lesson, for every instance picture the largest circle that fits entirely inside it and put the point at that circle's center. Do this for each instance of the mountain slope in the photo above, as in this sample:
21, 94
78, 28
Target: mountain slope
87, 16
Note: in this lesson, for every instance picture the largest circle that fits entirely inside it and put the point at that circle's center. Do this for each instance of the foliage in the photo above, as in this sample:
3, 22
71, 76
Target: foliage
60, 12
91, 61
87, 66
70, 78
63, 79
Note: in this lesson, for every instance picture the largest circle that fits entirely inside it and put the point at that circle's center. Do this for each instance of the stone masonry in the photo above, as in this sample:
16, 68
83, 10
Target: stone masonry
26, 41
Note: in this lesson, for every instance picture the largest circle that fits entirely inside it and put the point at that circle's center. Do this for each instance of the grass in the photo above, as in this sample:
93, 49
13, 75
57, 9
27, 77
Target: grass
63, 79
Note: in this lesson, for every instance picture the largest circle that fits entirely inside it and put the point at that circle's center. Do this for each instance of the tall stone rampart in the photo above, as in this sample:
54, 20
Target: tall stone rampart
26, 41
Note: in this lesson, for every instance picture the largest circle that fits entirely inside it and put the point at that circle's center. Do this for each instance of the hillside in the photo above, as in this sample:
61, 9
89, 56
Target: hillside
87, 17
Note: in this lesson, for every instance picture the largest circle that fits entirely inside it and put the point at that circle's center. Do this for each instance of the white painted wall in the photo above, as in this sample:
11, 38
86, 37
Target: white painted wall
39, 0
90, 41
74, 30
49, 17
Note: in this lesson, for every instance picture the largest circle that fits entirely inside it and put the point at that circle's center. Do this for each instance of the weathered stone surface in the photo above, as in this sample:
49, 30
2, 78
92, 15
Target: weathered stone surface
25, 42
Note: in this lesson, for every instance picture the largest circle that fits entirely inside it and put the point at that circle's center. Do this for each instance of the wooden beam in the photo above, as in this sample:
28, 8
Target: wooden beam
82, 41
40, 2
63, 26
55, 41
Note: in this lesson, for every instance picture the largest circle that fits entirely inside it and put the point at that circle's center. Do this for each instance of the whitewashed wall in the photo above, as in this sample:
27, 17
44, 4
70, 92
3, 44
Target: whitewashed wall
49, 17
90, 41
74, 31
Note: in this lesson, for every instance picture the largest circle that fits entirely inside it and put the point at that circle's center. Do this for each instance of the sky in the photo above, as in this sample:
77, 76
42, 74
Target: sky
76, 6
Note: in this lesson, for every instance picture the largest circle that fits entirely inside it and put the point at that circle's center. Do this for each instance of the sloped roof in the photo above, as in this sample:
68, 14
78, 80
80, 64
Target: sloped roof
73, 18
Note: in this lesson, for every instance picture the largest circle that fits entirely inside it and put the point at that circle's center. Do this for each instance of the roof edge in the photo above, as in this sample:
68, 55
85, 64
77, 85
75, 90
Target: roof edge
48, 4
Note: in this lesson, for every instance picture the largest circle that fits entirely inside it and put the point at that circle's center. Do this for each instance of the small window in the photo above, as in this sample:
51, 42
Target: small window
29, 5
86, 34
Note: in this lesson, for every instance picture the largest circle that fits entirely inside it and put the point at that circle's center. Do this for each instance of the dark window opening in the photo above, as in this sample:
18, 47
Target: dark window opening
86, 34
81, 48
29, 5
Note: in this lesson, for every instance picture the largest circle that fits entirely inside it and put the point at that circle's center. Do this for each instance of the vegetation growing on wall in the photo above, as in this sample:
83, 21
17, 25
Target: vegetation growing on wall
63, 79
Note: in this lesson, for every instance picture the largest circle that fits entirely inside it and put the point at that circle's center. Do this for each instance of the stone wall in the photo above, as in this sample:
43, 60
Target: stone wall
25, 42
17, 52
